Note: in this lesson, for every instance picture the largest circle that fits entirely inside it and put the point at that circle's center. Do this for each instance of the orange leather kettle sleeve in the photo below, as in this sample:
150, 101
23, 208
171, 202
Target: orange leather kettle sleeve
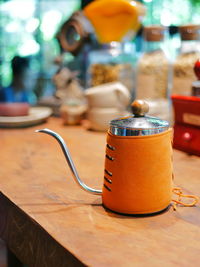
138, 173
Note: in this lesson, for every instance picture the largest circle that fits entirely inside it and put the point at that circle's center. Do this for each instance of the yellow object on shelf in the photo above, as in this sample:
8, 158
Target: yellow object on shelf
113, 19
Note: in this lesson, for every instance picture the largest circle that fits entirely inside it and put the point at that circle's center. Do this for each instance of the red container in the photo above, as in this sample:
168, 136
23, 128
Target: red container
187, 123
14, 109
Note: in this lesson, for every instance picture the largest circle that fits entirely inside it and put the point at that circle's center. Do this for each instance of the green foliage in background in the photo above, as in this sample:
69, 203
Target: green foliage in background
195, 2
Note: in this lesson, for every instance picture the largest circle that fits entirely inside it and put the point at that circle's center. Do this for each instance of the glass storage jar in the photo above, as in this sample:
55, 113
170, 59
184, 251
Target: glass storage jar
112, 62
183, 74
153, 65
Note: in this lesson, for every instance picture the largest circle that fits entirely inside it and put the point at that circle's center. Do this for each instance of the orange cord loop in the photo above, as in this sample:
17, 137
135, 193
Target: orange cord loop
178, 191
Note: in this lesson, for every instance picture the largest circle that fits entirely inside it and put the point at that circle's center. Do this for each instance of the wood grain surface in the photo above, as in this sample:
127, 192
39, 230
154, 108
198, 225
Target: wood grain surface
47, 220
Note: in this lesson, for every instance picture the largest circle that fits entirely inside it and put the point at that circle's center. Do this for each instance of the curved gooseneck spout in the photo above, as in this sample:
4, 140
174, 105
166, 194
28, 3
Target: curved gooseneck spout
70, 162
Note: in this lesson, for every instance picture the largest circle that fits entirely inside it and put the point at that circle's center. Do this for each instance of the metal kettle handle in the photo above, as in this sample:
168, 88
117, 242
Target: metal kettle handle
70, 162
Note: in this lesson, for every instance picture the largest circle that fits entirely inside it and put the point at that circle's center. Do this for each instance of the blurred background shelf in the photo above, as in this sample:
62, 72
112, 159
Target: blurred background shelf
32, 33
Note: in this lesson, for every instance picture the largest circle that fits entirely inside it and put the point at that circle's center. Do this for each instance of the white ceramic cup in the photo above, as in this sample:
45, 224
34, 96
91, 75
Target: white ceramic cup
99, 118
109, 95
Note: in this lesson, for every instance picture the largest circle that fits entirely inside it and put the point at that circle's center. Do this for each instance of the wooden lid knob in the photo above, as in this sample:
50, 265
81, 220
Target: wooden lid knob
139, 107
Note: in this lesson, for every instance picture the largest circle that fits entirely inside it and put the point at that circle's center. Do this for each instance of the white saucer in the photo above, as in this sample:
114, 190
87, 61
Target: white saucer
36, 115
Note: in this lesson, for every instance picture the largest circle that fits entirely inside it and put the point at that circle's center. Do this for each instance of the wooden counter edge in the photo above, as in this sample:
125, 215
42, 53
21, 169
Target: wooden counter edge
29, 241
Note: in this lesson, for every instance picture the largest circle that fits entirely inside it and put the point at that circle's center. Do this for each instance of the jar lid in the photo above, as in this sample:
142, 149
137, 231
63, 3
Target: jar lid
138, 123
190, 32
154, 33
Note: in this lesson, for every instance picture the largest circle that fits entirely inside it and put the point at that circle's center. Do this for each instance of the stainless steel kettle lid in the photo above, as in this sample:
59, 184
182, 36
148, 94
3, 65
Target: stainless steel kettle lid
138, 123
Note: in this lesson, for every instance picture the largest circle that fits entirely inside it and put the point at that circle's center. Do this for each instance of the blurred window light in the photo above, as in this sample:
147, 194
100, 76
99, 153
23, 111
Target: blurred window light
28, 27
32, 25
133, 3
29, 47
13, 26
50, 22
165, 18
19, 8
147, 1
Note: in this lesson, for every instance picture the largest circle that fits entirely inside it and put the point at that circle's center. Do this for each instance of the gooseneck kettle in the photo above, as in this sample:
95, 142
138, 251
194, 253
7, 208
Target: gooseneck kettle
138, 166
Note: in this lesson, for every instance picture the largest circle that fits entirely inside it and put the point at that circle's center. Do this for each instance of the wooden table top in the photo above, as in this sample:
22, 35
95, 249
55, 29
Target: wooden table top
39, 194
